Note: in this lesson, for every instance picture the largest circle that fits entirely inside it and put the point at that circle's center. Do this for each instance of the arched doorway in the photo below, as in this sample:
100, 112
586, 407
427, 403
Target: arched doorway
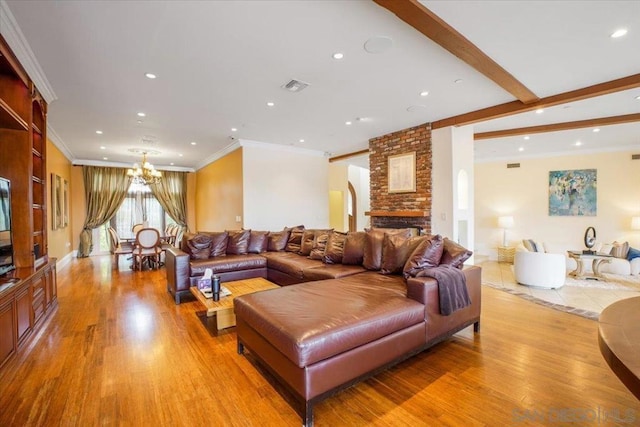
352, 206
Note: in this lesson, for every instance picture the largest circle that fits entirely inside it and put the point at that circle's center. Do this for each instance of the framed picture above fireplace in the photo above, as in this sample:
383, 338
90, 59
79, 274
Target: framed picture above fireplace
402, 173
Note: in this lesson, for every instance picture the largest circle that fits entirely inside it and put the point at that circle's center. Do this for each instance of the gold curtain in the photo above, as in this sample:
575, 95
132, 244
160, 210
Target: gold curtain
171, 193
105, 189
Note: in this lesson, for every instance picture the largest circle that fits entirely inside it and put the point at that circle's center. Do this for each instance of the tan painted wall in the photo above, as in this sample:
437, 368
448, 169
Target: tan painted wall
59, 241
219, 194
191, 200
524, 193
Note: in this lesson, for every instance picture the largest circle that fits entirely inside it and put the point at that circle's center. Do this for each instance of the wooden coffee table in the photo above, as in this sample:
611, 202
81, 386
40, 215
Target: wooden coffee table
223, 309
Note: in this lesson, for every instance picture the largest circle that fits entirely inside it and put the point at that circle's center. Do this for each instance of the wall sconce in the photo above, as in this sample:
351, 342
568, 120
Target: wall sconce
505, 222
635, 223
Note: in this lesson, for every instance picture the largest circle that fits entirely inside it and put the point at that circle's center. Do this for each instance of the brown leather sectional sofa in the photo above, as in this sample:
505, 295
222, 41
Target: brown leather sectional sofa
343, 320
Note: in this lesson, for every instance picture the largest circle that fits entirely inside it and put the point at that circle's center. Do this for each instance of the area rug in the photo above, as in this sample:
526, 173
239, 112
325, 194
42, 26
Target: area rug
567, 309
611, 281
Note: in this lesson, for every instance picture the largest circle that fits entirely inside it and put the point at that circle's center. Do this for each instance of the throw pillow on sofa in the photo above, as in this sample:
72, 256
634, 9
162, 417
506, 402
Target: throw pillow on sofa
455, 254
295, 239
320, 244
353, 253
278, 240
258, 242
620, 250
334, 251
199, 246
396, 249
632, 254
238, 242
218, 242
372, 257
306, 243
428, 254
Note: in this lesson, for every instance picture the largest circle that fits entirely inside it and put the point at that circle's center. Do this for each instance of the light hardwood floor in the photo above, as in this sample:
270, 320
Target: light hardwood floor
118, 351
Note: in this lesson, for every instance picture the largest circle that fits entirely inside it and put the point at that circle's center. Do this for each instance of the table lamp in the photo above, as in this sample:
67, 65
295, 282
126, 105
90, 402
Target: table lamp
505, 222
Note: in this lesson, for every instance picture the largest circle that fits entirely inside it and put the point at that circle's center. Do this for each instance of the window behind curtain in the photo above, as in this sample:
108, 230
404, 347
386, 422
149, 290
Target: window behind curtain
140, 205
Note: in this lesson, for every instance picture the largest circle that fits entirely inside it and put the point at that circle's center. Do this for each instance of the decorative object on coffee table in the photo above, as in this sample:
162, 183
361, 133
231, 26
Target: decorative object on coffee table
223, 309
589, 240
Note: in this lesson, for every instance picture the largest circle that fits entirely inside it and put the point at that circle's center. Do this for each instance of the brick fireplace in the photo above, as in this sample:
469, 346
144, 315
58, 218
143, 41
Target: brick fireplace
412, 209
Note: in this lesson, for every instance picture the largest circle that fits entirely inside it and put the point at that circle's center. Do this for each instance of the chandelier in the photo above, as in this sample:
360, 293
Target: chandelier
145, 174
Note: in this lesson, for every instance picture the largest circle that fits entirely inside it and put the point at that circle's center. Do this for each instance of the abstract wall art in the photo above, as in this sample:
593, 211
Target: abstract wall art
573, 192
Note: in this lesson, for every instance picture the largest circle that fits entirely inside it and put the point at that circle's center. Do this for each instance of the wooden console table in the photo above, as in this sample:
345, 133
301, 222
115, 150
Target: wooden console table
619, 341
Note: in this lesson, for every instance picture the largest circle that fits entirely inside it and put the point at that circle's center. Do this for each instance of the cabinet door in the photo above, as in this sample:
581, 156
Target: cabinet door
23, 311
7, 330
38, 296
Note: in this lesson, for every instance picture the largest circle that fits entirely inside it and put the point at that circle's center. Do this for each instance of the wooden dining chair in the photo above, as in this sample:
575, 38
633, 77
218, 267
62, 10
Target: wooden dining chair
136, 228
118, 247
147, 248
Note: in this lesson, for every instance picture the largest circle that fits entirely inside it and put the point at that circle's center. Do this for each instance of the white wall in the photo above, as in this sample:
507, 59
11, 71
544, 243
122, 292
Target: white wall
452, 151
284, 187
523, 193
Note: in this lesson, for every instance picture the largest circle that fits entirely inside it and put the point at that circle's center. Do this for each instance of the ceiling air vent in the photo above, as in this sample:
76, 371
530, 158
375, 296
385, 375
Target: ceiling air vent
513, 165
294, 85
635, 157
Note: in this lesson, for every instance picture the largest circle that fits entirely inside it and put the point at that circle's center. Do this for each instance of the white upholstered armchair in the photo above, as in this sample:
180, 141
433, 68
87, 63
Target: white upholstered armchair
544, 270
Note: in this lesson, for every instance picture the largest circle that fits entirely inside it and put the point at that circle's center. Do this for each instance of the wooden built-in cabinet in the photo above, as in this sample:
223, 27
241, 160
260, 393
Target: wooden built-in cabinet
32, 294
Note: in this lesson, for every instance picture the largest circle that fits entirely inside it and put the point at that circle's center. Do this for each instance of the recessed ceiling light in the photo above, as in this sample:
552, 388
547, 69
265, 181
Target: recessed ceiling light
99, 132
171, 163
424, 93
139, 121
527, 137
150, 76
194, 143
578, 143
540, 111
234, 129
338, 55
596, 130
457, 81
618, 33
179, 155
102, 147
347, 123
105, 158
270, 104
638, 97
521, 149
301, 140
141, 114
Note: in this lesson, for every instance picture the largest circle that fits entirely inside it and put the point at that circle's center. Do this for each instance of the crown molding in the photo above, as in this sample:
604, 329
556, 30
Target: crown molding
88, 162
219, 154
285, 148
55, 139
257, 144
16, 40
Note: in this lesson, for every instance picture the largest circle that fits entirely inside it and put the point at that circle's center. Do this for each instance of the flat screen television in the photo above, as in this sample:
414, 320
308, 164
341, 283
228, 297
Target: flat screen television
6, 246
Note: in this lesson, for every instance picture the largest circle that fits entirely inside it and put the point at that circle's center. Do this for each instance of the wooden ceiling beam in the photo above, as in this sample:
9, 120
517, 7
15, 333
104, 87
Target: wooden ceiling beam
348, 155
422, 19
554, 127
516, 107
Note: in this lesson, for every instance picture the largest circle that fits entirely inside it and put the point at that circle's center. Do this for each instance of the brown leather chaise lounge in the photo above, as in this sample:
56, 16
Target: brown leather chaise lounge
322, 336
